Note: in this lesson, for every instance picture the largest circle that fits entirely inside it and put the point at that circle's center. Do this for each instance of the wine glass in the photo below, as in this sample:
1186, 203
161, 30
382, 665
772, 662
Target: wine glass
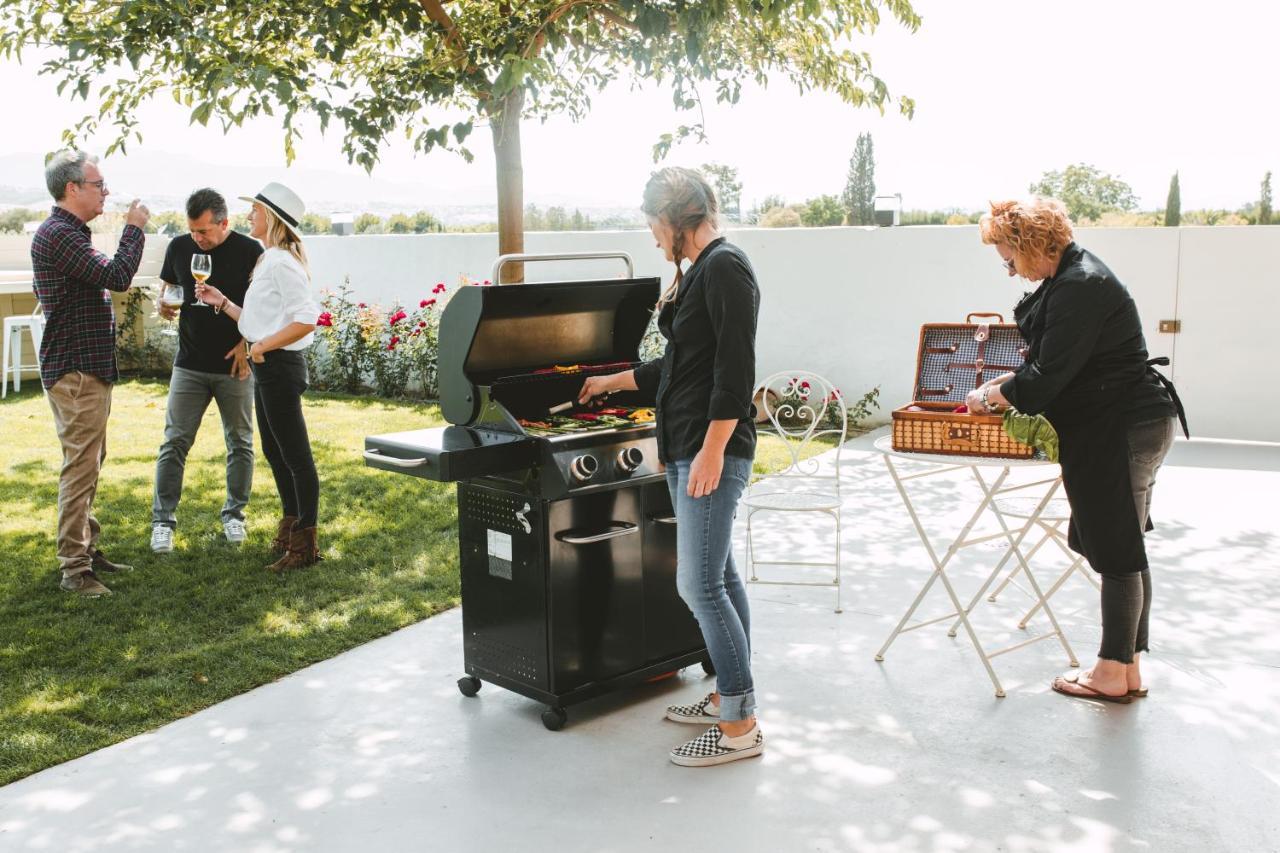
171, 297
201, 269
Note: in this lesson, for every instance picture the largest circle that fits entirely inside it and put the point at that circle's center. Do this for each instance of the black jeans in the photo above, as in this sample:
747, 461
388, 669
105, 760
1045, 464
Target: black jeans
280, 382
1126, 597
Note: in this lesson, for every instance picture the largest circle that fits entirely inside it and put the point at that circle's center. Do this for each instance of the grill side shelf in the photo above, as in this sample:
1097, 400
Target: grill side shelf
449, 454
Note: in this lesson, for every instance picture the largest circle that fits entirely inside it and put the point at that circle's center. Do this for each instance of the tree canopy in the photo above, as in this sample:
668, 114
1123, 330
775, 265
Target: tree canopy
432, 70
1086, 191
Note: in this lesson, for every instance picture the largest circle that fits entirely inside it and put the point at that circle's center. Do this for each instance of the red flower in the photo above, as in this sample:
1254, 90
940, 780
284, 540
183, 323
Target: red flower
439, 288
427, 303
422, 324
361, 305
424, 303
394, 340
325, 319
486, 281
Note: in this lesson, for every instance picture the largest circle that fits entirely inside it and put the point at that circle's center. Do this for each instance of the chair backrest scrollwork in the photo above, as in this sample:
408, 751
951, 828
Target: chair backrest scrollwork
799, 407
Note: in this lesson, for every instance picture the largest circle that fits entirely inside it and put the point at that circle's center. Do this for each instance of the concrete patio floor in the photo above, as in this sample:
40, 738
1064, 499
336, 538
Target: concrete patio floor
376, 750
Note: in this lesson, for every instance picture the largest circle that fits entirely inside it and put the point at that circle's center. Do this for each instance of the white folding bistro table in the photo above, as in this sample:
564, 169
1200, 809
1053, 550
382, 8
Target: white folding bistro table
1014, 534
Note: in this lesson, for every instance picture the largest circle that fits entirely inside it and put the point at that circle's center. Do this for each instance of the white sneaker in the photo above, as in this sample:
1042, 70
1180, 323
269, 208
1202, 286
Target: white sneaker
234, 529
699, 713
161, 539
715, 747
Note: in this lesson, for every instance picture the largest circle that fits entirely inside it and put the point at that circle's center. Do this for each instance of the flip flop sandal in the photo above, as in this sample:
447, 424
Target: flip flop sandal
1139, 693
1122, 699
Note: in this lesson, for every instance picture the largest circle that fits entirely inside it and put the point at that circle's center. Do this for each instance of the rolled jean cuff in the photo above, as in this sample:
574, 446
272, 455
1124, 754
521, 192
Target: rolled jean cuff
739, 707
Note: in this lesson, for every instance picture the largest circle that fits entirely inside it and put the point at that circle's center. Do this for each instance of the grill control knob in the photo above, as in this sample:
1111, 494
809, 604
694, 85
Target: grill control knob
629, 459
582, 467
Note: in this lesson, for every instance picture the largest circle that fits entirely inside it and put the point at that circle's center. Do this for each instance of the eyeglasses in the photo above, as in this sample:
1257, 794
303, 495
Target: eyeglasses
100, 184
1009, 265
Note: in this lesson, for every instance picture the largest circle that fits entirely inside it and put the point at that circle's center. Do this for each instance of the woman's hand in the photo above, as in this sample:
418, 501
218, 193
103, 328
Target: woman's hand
704, 473
974, 401
258, 353
209, 295
597, 386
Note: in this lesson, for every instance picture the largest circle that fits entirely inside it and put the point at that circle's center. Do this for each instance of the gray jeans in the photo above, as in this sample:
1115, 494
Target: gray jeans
189, 394
1126, 597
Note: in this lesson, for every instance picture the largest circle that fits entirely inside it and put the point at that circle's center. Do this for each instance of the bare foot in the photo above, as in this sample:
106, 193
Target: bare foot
1133, 675
1110, 683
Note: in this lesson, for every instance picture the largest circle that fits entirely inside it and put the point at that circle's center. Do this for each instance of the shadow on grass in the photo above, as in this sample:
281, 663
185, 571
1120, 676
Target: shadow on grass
207, 622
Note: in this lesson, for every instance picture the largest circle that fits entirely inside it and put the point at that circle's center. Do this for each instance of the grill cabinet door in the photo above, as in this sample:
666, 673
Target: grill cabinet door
669, 627
596, 587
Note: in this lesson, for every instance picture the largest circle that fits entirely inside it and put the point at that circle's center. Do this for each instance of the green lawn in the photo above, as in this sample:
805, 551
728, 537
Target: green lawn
204, 623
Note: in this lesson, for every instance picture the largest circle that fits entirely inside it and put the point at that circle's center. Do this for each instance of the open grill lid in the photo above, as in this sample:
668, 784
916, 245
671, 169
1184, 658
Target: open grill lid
495, 332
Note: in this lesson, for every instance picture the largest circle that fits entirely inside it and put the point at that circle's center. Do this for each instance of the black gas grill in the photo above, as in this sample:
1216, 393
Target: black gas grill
567, 538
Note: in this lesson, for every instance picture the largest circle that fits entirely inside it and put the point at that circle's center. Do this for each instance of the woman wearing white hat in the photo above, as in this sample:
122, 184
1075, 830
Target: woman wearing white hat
277, 319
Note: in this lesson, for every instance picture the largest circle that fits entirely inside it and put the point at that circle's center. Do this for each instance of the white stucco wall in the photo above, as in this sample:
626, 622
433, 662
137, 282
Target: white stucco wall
849, 302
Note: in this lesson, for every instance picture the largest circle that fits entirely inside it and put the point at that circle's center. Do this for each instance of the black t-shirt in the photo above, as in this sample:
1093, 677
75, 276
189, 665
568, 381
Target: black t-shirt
204, 337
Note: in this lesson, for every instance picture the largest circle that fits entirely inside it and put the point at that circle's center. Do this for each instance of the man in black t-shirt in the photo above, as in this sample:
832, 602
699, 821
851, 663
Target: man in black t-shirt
210, 365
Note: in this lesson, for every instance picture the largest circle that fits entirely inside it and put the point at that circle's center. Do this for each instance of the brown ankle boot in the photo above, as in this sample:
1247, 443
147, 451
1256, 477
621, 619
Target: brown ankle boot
280, 545
303, 551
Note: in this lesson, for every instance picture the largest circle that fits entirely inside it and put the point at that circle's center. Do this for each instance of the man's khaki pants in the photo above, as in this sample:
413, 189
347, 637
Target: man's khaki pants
81, 403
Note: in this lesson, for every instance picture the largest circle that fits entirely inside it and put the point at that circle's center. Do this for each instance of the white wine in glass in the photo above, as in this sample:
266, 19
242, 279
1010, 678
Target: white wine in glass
171, 297
201, 269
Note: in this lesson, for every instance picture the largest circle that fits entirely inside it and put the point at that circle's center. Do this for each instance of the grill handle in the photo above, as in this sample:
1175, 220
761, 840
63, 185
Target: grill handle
496, 275
663, 519
375, 456
622, 529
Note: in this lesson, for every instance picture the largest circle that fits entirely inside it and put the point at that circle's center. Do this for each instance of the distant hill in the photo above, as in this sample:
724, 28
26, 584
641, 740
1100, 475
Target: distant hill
163, 181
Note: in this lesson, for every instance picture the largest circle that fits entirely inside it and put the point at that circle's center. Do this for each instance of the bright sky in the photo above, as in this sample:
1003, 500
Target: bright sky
1005, 89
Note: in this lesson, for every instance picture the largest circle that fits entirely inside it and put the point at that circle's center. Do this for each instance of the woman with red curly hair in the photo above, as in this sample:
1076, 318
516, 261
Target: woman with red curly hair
1087, 371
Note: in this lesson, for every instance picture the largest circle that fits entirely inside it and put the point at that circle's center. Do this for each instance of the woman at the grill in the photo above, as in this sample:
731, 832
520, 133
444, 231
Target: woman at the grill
277, 320
707, 439
1087, 370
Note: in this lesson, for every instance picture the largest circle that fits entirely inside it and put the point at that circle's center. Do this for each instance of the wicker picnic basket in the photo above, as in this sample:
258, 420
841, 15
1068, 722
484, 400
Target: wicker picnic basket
955, 358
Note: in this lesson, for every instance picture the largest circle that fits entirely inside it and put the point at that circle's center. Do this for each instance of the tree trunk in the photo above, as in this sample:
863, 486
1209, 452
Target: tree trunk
505, 125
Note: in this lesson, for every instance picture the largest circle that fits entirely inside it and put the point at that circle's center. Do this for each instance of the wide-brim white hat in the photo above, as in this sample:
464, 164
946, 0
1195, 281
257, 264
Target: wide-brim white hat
283, 202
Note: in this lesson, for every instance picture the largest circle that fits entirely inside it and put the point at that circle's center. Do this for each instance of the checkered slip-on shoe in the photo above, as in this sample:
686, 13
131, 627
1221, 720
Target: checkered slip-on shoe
699, 713
714, 747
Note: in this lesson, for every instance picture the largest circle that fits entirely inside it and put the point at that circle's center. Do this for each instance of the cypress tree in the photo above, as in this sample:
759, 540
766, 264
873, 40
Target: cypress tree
1173, 207
1264, 204
860, 187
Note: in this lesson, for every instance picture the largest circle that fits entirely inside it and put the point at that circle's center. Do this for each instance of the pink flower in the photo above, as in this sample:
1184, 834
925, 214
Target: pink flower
486, 281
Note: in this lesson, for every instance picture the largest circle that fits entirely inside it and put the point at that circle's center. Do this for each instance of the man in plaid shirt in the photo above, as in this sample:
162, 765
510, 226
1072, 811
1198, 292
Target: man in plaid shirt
73, 282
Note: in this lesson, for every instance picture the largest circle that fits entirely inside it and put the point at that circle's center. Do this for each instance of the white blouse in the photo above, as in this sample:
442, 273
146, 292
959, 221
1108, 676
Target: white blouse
279, 294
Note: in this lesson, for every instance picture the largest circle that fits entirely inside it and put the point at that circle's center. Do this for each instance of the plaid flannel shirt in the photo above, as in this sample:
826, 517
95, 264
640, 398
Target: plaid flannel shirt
73, 281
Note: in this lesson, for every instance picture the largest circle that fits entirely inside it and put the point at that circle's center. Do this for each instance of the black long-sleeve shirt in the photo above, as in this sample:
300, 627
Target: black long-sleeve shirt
1086, 347
707, 372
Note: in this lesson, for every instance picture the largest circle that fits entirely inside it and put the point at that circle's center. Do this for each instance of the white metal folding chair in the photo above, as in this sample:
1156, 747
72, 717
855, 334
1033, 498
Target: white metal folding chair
798, 407
11, 359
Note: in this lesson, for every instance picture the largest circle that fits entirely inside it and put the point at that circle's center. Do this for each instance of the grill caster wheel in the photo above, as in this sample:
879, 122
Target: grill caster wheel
468, 685
554, 719
708, 667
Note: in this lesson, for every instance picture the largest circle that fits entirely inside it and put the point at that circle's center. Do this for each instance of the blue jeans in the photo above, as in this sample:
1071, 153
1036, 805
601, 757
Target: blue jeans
189, 394
709, 583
